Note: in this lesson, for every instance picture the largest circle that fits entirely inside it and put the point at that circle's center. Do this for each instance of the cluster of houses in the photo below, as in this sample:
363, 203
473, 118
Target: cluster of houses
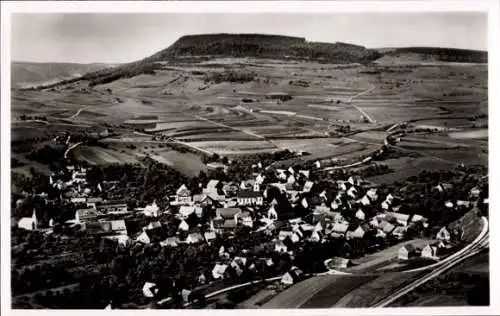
349, 209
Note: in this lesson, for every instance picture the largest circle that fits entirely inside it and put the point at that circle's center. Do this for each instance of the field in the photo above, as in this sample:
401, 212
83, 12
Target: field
98, 155
235, 118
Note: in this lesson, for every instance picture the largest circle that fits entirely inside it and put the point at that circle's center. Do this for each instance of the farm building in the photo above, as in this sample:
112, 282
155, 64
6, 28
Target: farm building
430, 252
338, 263
111, 207
443, 234
183, 196
28, 223
151, 210
292, 276
407, 252
149, 289
249, 197
85, 215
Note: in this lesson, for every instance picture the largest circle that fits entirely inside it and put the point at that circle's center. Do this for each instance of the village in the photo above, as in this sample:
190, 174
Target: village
352, 214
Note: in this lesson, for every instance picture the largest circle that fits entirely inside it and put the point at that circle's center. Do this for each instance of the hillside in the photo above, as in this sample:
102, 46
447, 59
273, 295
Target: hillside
202, 47
235, 45
431, 54
265, 46
28, 73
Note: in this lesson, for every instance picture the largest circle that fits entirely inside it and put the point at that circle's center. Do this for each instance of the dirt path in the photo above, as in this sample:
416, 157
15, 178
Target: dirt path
78, 112
349, 101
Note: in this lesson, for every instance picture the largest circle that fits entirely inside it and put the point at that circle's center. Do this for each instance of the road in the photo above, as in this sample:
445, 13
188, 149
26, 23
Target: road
349, 101
77, 113
230, 127
481, 242
70, 148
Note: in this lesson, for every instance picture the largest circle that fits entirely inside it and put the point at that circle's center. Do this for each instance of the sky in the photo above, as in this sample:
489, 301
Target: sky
125, 37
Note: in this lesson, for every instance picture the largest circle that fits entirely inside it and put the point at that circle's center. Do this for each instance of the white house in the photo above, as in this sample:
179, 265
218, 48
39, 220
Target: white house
352, 192
360, 214
260, 179
184, 226
219, 270
149, 289
272, 214
279, 246
185, 211
372, 194
429, 252
183, 196
308, 186
406, 252
28, 223
365, 200
443, 234
151, 210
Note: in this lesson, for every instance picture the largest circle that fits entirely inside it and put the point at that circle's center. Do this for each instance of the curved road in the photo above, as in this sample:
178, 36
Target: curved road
472, 249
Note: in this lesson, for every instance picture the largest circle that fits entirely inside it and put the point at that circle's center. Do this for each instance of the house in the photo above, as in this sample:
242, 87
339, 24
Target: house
442, 187
385, 205
260, 179
443, 234
305, 173
430, 252
308, 186
271, 213
340, 228
85, 215
227, 212
185, 211
291, 179
151, 210
354, 180
249, 197
365, 200
209, 236
194, 238
173, 242
474, 192
122, 240
154, 235
352, 192
93, 201
78, 200
284, 234
116, 227
152, 225
230, 189
337, 263
386, 227
360, 214
183, 226
185, 295
279, 246
111, 207
219, 270
292, 276
28, 223
359, 232
316, 236
416, 218
149, 289
406, 252
400, 218
399, 232
238, 264
183, 196
372, 194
